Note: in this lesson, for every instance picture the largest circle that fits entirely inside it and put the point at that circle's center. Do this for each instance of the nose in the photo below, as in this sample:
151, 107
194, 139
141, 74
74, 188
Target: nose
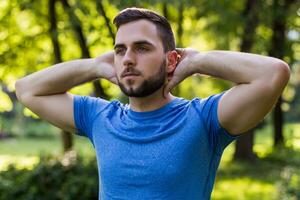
129, 58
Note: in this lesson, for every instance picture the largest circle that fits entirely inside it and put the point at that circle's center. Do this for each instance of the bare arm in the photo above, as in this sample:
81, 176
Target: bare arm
45, 92
260, 81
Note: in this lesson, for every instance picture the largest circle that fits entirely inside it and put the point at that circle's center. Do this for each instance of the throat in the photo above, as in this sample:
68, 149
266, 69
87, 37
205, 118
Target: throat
149, 103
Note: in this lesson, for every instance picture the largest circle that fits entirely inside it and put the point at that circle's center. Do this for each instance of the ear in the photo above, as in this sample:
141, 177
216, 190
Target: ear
172, 58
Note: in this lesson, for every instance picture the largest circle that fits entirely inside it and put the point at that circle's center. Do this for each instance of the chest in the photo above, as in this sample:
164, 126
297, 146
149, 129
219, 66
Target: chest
166, 158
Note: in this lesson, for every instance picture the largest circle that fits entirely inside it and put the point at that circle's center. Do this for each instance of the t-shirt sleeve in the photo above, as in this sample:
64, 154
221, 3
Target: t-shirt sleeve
218, 137
85, 110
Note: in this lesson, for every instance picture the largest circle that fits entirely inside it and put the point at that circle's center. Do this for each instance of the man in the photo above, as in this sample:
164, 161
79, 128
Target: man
159, 146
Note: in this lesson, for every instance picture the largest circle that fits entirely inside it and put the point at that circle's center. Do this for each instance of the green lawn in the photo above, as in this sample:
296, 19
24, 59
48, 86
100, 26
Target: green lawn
240, 181
25, 152
262, 179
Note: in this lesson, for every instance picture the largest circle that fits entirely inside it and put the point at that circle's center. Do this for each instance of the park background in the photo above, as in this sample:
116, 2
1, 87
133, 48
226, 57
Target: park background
39, 161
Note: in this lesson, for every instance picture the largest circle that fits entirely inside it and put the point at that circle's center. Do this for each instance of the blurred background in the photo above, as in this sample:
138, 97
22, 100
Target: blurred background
39, 161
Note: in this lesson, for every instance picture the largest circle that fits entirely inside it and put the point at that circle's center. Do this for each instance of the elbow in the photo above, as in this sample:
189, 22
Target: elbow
285, 71
19, 90
275, 79
281, 74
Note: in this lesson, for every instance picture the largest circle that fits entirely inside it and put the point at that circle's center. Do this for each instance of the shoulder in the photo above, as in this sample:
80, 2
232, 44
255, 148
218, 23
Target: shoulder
208, 102
95, 104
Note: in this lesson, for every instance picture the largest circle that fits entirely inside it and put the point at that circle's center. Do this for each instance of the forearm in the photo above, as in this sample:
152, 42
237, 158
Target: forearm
260, 81
58, 78
240, 68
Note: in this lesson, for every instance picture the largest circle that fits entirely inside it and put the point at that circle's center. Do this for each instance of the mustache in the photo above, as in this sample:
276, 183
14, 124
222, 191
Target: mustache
130, 71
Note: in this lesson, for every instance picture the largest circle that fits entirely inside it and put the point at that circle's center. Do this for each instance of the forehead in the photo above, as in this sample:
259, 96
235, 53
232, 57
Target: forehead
136, 31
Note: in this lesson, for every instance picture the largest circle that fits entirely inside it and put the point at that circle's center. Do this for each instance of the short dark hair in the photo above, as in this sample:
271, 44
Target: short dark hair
163, 26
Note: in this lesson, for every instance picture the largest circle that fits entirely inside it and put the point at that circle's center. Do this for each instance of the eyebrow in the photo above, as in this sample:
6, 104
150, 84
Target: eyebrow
139, 42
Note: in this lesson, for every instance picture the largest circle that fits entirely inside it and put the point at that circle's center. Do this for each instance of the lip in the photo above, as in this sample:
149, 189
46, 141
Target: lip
130, 76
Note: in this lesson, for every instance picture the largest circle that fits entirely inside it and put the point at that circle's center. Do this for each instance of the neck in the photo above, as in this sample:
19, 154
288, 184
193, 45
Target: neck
151, 102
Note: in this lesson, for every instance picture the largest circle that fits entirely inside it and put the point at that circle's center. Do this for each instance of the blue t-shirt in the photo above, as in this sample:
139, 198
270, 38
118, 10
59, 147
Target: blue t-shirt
171, 153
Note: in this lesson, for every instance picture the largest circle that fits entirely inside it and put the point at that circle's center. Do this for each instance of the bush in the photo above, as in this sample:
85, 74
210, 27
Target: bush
290, 183
25, 126
52, 179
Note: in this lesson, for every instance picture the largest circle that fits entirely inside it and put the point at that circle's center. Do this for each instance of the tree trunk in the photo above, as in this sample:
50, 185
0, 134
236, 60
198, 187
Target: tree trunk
278, 124
244, 145
76, 24
13, 97
67, 141
165, 10
67, 137
102, 12
277, 49
54, 32
180, 24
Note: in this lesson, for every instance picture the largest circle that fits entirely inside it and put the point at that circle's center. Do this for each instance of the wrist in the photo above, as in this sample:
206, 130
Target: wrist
96, 70
196, 63
103, 65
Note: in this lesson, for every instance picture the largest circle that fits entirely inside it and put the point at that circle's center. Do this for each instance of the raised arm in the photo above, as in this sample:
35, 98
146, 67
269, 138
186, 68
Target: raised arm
45, 92
260, 81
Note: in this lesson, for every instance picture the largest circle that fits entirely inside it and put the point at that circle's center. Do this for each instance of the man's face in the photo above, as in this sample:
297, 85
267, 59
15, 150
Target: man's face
140, 60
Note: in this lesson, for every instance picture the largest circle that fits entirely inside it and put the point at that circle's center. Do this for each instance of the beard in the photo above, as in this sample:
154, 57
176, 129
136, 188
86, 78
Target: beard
148, 86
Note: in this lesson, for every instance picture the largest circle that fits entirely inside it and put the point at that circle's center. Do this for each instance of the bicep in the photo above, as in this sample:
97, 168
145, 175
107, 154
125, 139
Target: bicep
244, 106
56, 109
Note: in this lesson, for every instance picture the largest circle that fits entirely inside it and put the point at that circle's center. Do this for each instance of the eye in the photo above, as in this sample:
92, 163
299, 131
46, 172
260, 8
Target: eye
120, 51
142, 49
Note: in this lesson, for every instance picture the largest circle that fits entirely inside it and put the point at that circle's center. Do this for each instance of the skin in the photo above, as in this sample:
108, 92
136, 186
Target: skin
139, 48
259, 79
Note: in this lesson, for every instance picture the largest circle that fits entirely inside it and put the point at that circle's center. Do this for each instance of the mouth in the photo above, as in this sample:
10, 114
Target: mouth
130, 75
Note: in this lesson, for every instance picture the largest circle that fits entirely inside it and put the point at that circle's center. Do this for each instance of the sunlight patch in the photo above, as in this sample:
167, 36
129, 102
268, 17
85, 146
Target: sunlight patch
20, 162
243, 188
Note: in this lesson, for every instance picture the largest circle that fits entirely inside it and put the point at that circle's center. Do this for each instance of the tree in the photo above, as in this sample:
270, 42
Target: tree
244, 145
66, 136
277, 49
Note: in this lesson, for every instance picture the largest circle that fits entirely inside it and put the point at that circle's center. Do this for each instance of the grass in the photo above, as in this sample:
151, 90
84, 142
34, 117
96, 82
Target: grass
235, 180
243, 180
25, 152
260, 179
35, 146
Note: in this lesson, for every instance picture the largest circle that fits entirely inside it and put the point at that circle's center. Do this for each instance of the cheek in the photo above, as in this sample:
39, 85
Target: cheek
153, 65
118, 68
152, 61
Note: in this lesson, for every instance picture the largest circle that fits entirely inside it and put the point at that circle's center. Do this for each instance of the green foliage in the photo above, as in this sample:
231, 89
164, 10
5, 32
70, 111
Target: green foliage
273, 176
27, 127
234, 180
5, 103
284, 157
25, 151
52, 179
25, 44
289, 185
289, 177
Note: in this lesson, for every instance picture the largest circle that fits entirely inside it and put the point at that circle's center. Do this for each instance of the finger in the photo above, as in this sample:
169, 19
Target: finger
114, 80
170, 86
179, 51
165, 92
178, 59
